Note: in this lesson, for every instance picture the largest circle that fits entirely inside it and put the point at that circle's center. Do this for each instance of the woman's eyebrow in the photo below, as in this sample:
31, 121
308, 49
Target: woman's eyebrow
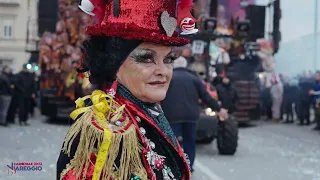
174, 52
170, 53
147, 50
142, 51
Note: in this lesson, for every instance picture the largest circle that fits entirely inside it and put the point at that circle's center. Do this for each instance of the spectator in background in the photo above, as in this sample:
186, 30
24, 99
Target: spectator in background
8, 72
24, 91
186, 52
316, 100
227, 95
181, 106
288, 99
5, 97
304, 100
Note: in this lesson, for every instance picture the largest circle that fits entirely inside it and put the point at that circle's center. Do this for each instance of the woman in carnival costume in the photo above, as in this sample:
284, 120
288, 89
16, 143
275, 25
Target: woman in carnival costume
120, 131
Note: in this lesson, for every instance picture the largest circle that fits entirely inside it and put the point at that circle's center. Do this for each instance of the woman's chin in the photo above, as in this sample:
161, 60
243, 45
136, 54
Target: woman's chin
156, 96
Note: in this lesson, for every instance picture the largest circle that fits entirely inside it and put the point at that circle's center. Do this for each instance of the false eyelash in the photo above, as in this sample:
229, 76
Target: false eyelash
173, 56
142, 56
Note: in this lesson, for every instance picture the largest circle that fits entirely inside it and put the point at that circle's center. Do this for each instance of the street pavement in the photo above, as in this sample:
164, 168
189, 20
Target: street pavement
266, 152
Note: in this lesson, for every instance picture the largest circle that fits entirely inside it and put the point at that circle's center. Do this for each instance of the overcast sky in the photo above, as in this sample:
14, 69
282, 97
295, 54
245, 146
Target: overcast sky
297, 18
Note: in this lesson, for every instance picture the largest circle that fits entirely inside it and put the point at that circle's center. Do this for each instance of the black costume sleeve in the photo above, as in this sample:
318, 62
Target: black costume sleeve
205, 96
64, 159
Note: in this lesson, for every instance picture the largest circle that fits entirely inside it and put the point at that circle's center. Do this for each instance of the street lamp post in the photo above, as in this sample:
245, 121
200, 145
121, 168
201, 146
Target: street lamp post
315, 34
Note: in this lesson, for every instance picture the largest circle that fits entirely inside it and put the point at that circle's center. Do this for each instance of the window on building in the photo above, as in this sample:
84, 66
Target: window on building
7, 29
5, 62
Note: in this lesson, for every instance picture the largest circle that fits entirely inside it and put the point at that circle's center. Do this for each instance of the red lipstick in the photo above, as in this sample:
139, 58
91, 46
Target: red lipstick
157, 83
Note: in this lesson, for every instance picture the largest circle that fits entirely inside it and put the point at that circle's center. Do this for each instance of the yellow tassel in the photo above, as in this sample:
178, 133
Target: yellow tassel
102, 154
102, 104
103, 143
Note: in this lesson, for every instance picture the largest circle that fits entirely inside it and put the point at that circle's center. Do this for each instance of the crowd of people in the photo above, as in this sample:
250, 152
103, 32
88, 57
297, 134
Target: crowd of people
17, 95
294, 99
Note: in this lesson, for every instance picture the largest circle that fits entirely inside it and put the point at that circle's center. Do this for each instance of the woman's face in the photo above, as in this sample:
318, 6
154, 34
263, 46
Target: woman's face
147, 71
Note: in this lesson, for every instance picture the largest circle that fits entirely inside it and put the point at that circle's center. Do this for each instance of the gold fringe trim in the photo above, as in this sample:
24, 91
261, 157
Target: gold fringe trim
92, 137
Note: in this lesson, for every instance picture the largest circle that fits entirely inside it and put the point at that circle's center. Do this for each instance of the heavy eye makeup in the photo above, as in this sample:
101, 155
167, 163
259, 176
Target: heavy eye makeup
143, 56
149, 56
171, 57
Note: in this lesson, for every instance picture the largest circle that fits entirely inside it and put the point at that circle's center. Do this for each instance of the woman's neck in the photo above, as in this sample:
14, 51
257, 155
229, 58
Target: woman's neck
126, 93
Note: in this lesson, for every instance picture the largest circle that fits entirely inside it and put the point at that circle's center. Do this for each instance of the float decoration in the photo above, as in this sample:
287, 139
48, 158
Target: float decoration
61, 48
266, 55
87, 7
185, 19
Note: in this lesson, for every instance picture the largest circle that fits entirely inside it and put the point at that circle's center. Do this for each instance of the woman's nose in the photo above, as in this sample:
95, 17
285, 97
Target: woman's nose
161, 69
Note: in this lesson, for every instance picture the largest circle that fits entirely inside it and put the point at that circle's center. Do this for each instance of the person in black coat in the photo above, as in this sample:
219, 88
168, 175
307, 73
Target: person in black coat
4, 84
5, 97
181, 105
289, 96
304, 100
24, 91
8, 73
227, 95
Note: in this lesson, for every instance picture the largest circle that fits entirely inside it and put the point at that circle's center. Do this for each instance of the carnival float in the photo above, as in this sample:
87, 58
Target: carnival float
60, 54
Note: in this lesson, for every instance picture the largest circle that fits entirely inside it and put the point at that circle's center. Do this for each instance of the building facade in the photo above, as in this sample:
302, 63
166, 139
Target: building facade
18, 32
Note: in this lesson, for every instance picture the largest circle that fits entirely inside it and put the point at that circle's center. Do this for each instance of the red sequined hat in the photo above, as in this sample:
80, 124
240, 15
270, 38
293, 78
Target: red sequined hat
147, 20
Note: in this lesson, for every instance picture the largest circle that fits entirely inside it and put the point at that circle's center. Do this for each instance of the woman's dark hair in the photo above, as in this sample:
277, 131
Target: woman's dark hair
104, 56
